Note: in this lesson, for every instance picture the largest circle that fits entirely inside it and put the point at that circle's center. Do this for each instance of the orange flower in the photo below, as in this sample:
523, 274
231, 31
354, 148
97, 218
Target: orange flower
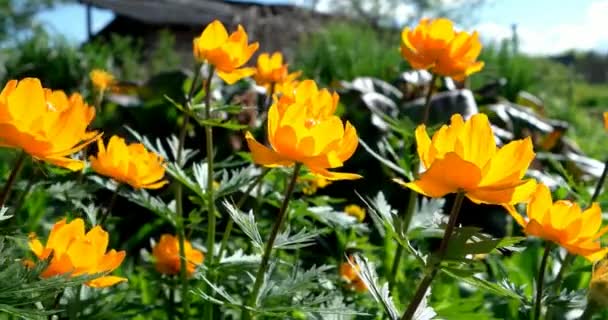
132, 164
166, 253
434, 45
76, 253
564, 223
598, 286
606, 120
271, 70
226, 53
101, 79
464, 157
314, 183
350, 275
46, 124
304, 129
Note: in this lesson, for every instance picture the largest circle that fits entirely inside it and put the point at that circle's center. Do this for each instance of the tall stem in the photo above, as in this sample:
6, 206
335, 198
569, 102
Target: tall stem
12, 178
407, 219
600, 183
179, 205
239, 204
540, 281
434, 267
427, 101
259, 278
106, 213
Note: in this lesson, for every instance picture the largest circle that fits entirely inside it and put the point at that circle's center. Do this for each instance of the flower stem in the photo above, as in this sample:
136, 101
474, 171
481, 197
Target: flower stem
407, 218
12, 178
434, 267
108, 211
540, 281
600, 183
179, 206
210, 194
239, 204
259, 278
427, 101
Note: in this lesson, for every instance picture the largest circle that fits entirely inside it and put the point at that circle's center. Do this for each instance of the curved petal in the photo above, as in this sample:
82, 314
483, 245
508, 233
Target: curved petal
106, 281
509, 163
447, 175
235, 75
330, 175
510, 194
265, 156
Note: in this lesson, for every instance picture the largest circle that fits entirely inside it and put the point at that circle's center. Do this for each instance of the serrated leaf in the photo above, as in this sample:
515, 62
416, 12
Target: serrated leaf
490, 287
246, 222
296, 241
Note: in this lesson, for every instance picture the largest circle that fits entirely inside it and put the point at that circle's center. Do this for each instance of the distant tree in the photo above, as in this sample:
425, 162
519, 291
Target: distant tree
387, 12
19, 15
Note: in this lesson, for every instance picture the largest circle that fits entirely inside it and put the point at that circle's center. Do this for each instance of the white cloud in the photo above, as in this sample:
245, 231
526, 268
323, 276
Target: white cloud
591, 34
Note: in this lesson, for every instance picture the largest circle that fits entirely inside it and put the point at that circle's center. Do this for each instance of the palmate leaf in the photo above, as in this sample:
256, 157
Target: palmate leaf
335, 219
502, 288
381, 294
469, 240
298, 240
3, 214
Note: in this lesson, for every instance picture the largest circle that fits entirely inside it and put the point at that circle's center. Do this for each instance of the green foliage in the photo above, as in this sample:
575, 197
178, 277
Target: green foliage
346, 50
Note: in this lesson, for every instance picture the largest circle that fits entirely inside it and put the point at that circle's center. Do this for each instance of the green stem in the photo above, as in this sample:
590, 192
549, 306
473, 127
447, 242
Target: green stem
407, 219
540, 281
108, 210
12, 178
600, 183
239, 204
210, 194
171, 302
179, 206
434, 267
427, 101
259, 278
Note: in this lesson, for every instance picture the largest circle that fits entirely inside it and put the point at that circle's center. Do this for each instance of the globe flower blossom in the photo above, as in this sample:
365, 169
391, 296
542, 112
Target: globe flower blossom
606, 120
350, 275
434, 45
166, 254
303, 129
45, 124
131, 164
101, 79
354, 210
598, 286
463, 157
270, 71
76, 253
563, 222
227, 53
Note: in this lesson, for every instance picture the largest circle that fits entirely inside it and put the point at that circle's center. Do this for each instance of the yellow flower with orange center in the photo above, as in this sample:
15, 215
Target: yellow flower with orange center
131, 164
303, 129
76, 253
227, 53
166, 254
564, 223
48, 125
270, 70
350, 275
435, 45
463, 157
355, 211
101, 79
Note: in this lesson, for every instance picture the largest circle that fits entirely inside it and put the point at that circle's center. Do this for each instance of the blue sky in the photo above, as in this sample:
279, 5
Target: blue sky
544, 26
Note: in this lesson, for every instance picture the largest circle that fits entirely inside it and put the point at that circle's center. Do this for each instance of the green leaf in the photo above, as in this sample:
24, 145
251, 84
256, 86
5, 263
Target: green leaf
490, 287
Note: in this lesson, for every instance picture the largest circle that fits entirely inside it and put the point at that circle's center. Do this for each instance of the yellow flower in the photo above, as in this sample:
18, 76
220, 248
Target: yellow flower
355, 211
563, 222
350, 275
271, 70
226, 53
464, 157
101, 79
606, 120
131, 164
46, 124
166, 253
76, 253
598, 287
313, 184
304, 129
434, 45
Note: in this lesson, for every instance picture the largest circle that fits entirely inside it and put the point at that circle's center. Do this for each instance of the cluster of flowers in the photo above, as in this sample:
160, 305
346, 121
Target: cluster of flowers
302, 130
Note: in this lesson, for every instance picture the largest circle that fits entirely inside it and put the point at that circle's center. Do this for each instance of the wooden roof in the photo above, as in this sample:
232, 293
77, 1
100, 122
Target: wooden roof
179, 12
